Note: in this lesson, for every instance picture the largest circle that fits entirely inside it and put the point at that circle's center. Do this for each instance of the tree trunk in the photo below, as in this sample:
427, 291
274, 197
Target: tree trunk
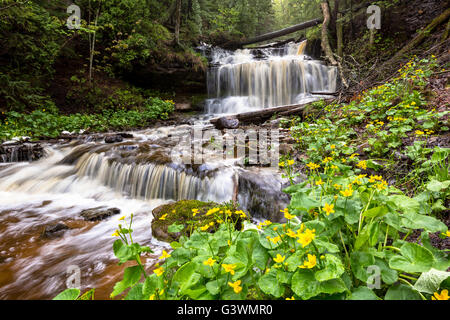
326, 44
177, 22
340, 36
281, 33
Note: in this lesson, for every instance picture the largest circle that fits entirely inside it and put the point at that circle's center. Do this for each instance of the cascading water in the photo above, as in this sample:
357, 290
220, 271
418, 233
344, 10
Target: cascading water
247, 80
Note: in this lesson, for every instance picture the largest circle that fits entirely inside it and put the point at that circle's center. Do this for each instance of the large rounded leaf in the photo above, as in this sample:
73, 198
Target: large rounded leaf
414, 258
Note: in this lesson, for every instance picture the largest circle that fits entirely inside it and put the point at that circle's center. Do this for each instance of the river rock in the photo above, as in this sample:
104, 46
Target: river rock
54, 230
227, 123
19, 152
114, 139
100, 213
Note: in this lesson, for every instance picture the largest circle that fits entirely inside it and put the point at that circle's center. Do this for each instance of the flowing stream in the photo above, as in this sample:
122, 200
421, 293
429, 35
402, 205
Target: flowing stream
135, 176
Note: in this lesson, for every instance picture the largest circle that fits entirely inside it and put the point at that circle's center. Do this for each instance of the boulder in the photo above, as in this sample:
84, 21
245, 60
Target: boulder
100, 213
227, 123
114, 138
54, 230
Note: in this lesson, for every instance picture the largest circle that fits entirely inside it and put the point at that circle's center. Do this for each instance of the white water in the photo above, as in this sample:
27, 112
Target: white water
241, 81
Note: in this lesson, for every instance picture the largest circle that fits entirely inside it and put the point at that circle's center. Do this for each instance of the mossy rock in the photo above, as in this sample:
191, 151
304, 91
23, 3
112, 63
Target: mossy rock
180, 213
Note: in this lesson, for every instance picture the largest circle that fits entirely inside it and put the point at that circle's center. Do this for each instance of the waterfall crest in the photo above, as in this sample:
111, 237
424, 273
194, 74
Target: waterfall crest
247, 80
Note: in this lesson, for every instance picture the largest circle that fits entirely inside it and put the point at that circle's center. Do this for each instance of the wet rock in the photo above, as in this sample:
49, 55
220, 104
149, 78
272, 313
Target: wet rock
227, 123
126, 135
180, 212
99, 213
114, 139
260, 193
19, 152
54, 230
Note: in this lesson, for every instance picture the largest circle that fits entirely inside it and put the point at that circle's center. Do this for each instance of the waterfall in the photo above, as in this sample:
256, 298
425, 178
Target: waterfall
247, 80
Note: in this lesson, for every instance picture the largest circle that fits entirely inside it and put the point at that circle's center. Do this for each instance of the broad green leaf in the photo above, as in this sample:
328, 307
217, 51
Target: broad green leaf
186, 277
388, 275
68, 294
376, 212
302, 201
174, 228
269, 284
418, 221
363, 293
359, 262
401, 292
404, 203
135, 293
430, 281
414, 258
304, 284
131, 276
333, 268
437, 186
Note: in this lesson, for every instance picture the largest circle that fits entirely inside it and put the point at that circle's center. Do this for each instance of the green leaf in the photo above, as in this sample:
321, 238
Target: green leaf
414, 258
418, 221
131, 276
269, 284
304, 284
359, 262
175, 228
430, 281
401, 292
260, 256
333, 269
135, 293
376, 212
151, 283
68, 294
404, 203
437, 186
186, 277
363, 293
302, 201
388, 275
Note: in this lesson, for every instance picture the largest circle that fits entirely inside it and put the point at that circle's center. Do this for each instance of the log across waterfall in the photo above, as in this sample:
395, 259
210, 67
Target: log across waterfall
249, 80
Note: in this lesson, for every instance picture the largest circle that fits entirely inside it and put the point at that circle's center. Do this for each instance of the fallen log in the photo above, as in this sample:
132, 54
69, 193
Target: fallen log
260, 116
279, 33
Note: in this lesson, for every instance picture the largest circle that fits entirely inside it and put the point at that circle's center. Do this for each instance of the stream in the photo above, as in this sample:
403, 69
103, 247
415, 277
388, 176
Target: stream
43, 232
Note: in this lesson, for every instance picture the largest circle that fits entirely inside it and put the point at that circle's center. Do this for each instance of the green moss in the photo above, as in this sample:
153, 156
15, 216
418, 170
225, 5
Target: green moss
180, 213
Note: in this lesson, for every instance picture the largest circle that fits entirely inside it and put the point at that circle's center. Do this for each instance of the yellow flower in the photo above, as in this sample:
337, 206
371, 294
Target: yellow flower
159, 271
328, 209
442, 296
306, 237
194, 212
210, 262
310, 263
281, 164
327, 159
279, 258
123, 218
236, 286
163, 217
229, 268
313, 166
205, 227
291, 233
164, 255
212, 211
275, 240
287, 215
362, 165
290, 298
337, 186
419, 132
319, 182
347, 193
290, 162
333, 146
115, 234
448, 233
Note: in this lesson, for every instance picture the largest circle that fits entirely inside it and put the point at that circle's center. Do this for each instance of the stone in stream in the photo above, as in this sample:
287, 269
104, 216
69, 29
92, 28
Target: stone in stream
227, 123
54, 230
114, 138
19, 152
100, 213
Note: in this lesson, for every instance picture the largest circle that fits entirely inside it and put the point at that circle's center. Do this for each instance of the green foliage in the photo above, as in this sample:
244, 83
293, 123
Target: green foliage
47, 122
